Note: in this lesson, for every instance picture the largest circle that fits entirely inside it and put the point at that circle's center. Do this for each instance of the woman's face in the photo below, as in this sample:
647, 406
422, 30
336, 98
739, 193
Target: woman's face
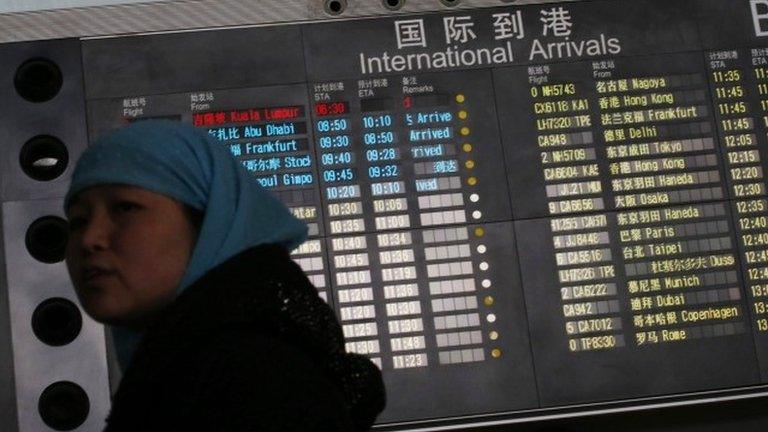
128, 249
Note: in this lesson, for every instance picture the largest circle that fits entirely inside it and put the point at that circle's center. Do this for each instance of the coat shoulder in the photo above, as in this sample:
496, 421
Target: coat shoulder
235, 380
257, 378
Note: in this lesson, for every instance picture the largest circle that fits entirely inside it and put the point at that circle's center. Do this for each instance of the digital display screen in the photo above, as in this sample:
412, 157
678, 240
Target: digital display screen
510, 208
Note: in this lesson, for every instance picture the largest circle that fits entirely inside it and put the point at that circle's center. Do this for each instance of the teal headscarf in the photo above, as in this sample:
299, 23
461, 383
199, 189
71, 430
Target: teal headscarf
187, 164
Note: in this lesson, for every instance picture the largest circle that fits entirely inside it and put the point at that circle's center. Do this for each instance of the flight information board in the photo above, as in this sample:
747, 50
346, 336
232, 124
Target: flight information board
511, 208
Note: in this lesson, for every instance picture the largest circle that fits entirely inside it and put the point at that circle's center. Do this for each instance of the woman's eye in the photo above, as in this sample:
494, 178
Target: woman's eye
126, 206
76, 223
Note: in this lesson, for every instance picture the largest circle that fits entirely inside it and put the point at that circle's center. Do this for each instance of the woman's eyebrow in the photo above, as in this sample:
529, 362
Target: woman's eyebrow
74, 204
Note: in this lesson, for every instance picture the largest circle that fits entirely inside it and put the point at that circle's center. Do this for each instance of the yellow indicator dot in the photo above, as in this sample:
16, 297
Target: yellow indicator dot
488, 301
493, 335
472, 181
479, 232
495, 353
464, 131
463, 115
460, 98
467, 147
469, 164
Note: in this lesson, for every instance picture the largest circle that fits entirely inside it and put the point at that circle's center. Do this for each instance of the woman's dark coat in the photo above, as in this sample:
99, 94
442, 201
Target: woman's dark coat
248, 347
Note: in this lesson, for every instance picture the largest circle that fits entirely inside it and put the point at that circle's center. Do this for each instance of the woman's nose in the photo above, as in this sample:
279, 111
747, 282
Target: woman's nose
96, 233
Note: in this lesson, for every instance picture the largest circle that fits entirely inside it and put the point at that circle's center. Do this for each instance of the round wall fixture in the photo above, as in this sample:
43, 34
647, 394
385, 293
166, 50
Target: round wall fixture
57, 321
46, 239
44, 158
335, 7
393, 5
38, 80
64, 406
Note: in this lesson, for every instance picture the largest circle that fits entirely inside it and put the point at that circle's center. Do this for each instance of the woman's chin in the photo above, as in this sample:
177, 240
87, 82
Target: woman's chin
105, 310
112, 305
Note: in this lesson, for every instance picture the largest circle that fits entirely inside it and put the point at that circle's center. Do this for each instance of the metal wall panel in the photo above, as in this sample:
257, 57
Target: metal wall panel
7, 386
41, 86
201, 14
37, 5
38, 365
23, 120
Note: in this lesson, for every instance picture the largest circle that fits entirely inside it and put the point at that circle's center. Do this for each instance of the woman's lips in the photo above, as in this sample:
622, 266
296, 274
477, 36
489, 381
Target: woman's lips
92, 274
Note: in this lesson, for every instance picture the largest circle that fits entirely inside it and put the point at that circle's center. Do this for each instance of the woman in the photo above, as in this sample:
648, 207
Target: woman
177, 247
